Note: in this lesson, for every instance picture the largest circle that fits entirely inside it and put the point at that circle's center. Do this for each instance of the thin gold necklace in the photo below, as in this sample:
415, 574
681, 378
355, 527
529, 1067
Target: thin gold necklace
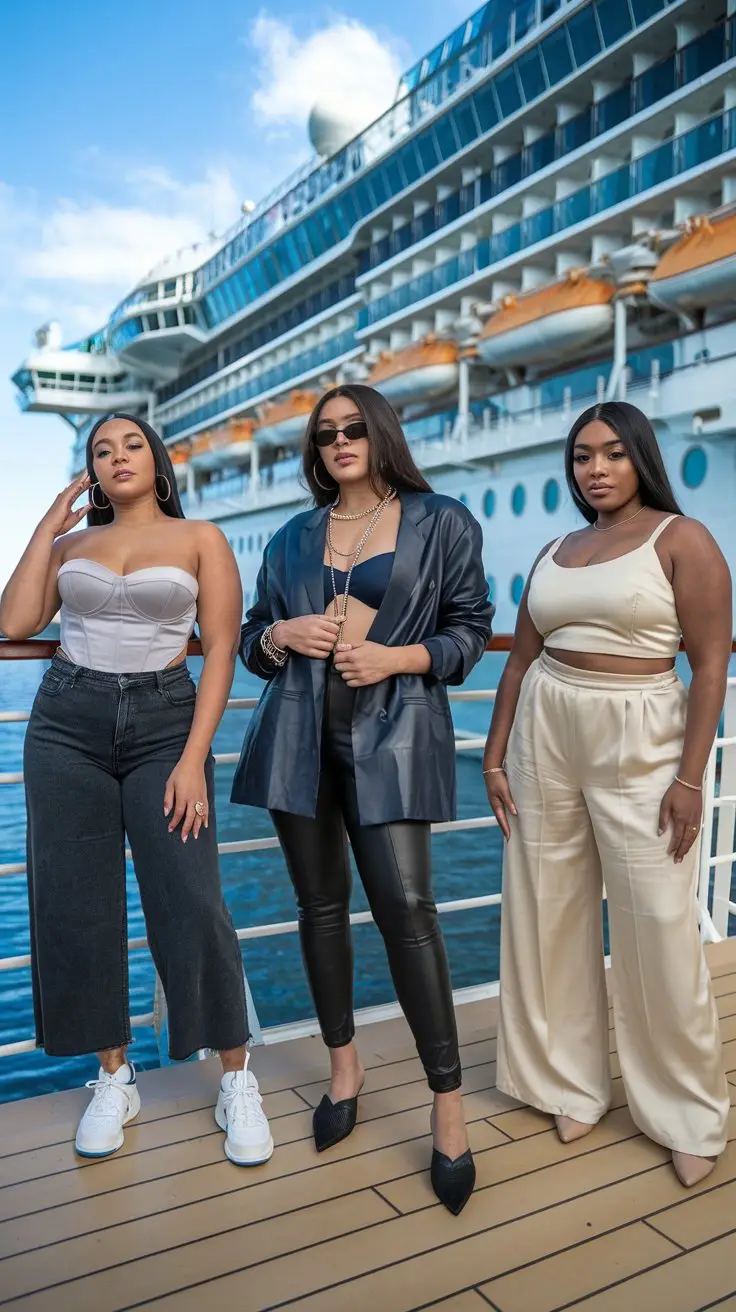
341, 613
619, 522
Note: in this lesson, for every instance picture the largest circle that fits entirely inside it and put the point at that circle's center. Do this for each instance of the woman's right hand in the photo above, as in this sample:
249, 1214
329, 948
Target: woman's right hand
502, 803
309, 635
60, 518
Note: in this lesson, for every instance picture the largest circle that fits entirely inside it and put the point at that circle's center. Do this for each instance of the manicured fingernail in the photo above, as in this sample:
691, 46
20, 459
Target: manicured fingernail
184, 838
166, 810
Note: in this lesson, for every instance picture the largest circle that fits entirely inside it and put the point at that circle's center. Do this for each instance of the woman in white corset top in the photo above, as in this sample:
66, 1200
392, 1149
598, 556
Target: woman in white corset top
119, 743
594, 767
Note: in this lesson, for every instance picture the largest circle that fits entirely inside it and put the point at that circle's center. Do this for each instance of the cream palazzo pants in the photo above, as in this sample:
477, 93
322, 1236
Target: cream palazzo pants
589, 759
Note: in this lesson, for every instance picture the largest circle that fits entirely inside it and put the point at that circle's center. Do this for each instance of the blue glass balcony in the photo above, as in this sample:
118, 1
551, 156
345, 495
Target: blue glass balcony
280, 375
573, 45
691, 150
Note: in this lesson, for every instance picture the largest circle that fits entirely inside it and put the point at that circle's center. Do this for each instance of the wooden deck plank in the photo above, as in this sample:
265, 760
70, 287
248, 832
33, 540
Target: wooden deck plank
173, 1267
513, 1160
583, 1198
297, 1179
698, 1220
469, 1301
705, 1274
573, 1274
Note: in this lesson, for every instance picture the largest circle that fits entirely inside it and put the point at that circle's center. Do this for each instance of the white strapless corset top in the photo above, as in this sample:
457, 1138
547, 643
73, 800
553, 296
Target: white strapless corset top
125, 624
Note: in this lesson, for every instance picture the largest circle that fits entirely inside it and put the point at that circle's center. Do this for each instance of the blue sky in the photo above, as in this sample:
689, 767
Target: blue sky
129, 130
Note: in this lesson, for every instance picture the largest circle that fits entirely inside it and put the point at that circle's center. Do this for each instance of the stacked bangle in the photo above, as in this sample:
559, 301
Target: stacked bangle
277, 655
496, 769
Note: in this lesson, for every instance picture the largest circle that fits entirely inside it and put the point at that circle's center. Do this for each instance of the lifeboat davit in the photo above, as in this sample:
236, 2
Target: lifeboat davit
543, 326
284, 422
421, 372
700, 269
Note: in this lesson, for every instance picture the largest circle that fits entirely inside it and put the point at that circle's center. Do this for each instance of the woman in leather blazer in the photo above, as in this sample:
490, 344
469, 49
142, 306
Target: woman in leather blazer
366, 608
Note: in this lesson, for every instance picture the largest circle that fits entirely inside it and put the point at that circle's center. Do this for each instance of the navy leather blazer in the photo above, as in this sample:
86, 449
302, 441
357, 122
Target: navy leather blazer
403, 740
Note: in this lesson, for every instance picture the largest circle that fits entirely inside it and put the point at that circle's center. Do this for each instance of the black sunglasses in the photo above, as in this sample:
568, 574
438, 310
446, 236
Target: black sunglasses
352, 431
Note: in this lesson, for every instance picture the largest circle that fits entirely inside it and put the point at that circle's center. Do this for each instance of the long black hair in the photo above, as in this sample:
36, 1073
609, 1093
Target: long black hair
390, 462
637, 436
171, 505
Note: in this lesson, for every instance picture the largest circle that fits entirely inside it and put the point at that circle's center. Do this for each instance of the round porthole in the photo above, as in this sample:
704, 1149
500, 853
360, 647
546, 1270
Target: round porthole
694, 466
518, 499
491, 587
517, 588
463, 498
489, 503
551, 495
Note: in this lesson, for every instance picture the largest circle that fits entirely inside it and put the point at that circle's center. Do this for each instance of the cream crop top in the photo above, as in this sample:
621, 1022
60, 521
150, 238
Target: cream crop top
125, 624
621, 607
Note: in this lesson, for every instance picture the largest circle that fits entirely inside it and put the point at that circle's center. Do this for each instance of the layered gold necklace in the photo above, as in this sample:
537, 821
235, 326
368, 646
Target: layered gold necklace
341, 611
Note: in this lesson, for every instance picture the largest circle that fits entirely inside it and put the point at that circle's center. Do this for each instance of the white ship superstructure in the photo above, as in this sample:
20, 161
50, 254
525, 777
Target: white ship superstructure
546, 216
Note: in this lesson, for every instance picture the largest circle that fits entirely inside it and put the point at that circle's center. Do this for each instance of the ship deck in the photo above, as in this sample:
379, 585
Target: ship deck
169, 1223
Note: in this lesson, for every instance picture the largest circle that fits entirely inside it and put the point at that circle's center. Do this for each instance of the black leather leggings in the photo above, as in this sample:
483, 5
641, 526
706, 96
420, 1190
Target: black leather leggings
394, 863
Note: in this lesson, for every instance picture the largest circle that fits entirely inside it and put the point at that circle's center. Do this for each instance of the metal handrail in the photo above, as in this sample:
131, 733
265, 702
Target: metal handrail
712, 929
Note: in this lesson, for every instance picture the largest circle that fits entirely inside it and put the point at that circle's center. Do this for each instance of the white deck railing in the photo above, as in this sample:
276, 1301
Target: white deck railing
717, 856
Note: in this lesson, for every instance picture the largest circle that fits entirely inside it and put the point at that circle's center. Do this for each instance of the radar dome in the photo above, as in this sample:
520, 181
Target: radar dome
332, 125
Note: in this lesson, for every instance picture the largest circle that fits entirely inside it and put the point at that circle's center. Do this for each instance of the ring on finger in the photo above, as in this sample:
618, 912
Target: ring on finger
200, 808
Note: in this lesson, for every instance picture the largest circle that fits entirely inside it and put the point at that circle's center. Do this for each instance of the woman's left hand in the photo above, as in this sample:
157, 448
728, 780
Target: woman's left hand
682, 809
185, 787
365, 663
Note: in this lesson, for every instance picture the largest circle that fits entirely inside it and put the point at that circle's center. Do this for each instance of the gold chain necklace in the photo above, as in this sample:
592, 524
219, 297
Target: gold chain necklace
619, 522
361, 514
341, 615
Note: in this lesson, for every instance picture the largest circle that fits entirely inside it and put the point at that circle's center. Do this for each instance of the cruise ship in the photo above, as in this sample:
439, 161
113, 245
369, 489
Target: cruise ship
546, 216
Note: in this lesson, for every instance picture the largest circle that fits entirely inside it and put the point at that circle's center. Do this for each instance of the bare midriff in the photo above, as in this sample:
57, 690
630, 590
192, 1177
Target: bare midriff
600, 663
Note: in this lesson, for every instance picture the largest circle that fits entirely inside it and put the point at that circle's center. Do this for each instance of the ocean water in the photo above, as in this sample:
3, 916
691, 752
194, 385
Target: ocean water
257, 890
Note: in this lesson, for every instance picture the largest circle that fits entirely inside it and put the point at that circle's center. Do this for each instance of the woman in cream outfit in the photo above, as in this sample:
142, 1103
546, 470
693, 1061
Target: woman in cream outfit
594, 767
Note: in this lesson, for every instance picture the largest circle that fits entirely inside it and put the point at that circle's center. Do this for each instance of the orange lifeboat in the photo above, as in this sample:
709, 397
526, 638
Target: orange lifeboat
544, 326
700, 269
179, 455
421, 372
284, 422
217, 447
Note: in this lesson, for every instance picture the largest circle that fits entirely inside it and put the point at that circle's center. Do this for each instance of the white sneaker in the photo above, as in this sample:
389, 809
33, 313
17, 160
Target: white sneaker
116, 1101
240, 1114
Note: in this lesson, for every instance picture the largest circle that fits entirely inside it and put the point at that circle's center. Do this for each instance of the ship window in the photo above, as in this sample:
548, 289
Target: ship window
531, 73
507, 90
260, 542
518, 499
489, 503
694, 466
584, 36
551, 495
517, 588
491, 587
171, 319
644, 9
250, 543
463, 498
615, 20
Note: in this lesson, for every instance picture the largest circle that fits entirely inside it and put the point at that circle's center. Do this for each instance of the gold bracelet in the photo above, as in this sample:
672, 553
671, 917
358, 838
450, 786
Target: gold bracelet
496, 769
695, 788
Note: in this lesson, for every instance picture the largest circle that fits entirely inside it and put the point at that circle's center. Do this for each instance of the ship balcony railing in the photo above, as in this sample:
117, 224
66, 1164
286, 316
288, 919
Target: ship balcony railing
709, 141
715, 895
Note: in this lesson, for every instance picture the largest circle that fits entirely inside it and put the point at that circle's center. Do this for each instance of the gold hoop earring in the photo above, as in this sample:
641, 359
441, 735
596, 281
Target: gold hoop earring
168, 487
92, 498
314, 475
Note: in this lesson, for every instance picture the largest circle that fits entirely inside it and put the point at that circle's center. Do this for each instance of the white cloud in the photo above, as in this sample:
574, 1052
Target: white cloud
345, 63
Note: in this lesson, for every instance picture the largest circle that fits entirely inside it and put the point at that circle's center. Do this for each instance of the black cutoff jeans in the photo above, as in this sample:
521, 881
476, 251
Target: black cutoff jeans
98, 751
394, 863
